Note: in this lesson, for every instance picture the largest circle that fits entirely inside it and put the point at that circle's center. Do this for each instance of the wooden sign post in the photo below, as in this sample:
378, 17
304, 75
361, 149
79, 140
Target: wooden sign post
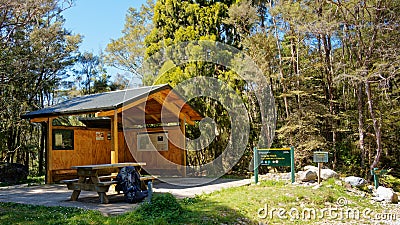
320, 157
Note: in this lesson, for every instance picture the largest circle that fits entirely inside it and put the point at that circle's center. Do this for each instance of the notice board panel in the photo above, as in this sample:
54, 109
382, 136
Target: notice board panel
152, 141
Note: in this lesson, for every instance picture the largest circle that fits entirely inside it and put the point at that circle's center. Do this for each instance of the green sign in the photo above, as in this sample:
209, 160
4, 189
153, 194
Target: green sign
274, 157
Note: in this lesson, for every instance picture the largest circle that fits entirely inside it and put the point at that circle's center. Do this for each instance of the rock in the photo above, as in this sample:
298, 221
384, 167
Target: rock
387, 194
347, 186
328, 173
370, 188
309, 167
325, 173
308, 175
338, 182
355, 181
12, 172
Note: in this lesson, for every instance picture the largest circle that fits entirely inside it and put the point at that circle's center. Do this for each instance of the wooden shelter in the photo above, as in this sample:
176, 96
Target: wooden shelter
124, 127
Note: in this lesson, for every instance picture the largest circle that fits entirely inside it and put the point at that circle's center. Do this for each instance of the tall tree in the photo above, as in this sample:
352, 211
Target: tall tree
127, 52
333, 59
35, 50
87, 72
178, 23
369, 58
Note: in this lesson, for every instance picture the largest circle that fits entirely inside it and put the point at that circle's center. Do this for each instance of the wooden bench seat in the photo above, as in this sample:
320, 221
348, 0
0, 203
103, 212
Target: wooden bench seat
145, 178
69, 181
63, 174
107, 183
108, 177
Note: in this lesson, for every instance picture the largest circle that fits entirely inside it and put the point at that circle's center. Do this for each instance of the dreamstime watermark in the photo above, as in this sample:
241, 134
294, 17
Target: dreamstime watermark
191, 63
341, 211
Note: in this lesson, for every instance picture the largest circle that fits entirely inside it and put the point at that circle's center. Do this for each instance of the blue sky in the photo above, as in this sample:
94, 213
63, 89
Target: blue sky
98, 21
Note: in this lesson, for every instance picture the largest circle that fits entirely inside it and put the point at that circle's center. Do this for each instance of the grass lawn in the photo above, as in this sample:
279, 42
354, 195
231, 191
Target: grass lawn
271, 202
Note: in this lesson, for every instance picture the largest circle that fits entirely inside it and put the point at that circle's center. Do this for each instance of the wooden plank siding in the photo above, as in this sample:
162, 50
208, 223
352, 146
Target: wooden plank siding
89, 151
159, 160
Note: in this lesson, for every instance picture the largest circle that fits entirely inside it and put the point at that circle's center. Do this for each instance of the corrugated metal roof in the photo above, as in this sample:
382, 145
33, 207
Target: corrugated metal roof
96, 102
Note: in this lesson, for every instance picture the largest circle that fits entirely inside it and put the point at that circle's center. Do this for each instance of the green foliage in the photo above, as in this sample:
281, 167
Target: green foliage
90, 75
35, 52
391, 182
180, 21
330, 77
127, 52
162, 207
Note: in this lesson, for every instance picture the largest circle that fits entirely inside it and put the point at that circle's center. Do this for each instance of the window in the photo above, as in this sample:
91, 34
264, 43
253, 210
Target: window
63, 139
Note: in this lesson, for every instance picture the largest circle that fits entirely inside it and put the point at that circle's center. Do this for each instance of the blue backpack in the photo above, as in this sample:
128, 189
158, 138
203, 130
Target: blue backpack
129, 183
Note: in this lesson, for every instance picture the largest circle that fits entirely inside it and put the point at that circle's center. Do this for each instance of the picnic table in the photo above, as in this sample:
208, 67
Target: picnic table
90, 179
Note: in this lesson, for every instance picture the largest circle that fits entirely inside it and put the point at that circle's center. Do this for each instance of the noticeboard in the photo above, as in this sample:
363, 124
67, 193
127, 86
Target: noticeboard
152, 141
272, 157
320, 157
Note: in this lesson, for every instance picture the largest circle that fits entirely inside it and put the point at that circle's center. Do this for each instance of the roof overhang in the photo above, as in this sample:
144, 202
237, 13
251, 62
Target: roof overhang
152, 100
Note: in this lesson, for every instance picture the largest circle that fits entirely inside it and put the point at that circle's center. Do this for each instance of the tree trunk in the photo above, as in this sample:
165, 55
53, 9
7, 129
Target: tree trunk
42, 148
376, 125
26, 159
361, 123
326, 57
278, 46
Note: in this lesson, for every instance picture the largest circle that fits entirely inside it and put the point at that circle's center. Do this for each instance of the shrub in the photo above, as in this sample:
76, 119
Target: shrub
391, 182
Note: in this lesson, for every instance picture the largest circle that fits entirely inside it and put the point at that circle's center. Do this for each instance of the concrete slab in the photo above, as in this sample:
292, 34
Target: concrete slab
58, 195
190, 187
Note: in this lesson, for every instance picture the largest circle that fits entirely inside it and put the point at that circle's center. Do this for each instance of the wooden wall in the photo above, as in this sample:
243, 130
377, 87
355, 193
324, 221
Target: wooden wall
87, 150
158, 160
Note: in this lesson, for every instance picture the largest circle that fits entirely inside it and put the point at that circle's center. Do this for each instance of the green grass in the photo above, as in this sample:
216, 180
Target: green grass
240, 205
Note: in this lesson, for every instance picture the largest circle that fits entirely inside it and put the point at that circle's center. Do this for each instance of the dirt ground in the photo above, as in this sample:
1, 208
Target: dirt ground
58, 195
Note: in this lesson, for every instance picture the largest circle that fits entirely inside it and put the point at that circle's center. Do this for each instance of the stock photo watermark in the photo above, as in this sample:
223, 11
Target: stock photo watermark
338, 212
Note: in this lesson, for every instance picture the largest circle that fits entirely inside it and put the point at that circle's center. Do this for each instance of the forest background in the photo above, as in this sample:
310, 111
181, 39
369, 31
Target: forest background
333, 67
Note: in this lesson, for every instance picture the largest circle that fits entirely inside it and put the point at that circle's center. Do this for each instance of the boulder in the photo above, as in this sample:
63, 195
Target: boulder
355, 181
308, 175
387, 194
12, 172
328, 173
309, 167
325, 173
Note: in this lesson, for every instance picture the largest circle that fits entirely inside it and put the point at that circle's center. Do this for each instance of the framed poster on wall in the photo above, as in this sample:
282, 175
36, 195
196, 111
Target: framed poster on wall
152, 141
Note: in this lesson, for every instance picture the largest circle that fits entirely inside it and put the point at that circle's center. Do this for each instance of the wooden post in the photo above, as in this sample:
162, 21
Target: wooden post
319, 172
183, 129
256, 164
114, 137
49, 151
292, 168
